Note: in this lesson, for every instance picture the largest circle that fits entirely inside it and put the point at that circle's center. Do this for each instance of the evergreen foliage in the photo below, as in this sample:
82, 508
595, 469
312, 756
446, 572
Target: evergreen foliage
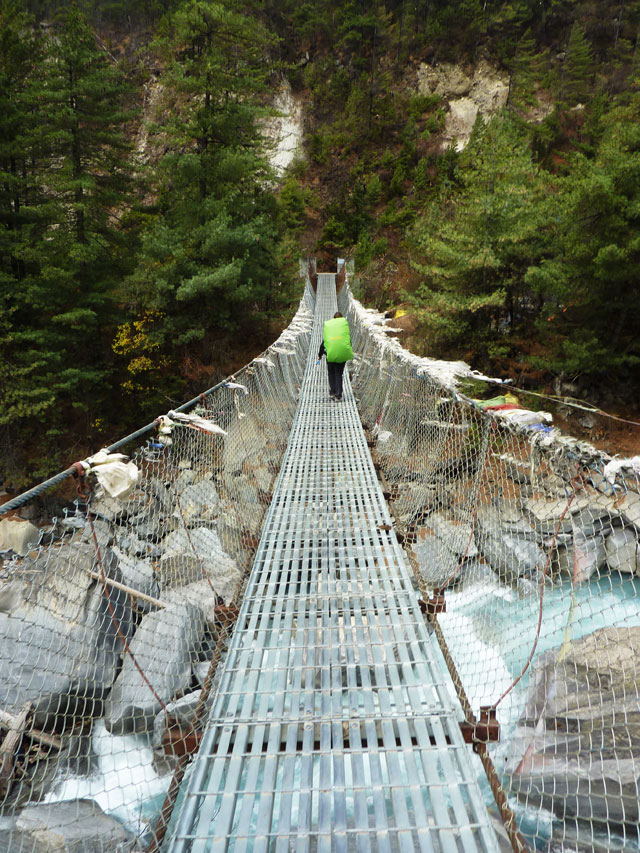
124, 284
577, 70
100, 295
64, 208
210, 258
476, 245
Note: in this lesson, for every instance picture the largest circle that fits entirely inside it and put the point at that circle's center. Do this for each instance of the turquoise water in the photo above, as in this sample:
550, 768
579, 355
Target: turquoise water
491, 631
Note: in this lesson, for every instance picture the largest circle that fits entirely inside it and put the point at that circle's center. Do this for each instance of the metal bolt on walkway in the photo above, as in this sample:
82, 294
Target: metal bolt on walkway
333, 726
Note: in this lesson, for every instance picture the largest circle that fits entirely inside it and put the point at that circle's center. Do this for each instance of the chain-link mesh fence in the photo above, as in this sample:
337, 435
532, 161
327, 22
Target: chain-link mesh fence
534, 536
114, 614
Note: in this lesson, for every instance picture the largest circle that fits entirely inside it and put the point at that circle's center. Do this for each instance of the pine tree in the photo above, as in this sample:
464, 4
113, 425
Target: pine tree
87, 189
577, 70
19, 54
210, 259
588, 277
473, 251
525, 70
58, 286
24, 390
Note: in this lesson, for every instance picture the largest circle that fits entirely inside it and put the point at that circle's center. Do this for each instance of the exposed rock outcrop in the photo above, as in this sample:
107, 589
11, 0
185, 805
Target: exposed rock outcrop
60, 646
483, 89
576, 751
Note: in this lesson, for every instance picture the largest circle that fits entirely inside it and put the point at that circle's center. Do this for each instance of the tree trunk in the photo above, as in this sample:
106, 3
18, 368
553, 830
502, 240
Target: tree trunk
76, 161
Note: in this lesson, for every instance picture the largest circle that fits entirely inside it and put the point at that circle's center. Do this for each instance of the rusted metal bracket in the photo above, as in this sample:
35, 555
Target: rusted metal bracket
482, 731
225, 614
432, 606
177, 740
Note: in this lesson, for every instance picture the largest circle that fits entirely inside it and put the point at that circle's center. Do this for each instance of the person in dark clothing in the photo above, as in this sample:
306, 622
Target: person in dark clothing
336, 345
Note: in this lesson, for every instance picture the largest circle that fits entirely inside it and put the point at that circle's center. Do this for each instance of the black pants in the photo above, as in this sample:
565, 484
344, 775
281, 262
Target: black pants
335, 369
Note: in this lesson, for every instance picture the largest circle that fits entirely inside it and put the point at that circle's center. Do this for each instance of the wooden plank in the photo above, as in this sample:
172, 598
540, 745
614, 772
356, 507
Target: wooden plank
7, 721
10, 746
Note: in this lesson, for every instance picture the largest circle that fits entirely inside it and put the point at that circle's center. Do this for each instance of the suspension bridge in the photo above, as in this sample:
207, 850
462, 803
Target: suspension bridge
333, 726
240, 652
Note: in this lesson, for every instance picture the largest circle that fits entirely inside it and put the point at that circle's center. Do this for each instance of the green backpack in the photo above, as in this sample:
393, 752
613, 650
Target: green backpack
337, 340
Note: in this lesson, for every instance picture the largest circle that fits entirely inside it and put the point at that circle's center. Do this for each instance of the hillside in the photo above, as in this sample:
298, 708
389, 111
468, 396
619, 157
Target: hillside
480, 163
478, 160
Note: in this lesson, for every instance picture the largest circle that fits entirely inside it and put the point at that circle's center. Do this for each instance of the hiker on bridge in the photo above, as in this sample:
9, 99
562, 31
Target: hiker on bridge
336, 345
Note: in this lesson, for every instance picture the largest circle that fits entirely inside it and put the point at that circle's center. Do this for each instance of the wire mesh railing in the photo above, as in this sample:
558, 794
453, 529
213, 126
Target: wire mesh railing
531, 538
114, 614
333, 726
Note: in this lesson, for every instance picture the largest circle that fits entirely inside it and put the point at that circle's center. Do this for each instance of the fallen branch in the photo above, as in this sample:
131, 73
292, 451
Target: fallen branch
9, 721
134, 592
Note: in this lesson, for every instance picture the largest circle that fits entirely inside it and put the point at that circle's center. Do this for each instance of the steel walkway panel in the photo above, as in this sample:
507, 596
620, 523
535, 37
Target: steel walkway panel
333, 727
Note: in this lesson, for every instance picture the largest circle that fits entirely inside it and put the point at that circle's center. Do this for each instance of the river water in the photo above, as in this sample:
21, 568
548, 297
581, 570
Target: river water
490, 635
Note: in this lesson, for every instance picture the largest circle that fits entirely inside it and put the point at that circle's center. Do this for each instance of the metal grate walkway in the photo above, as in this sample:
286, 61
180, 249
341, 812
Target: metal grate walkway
333, 727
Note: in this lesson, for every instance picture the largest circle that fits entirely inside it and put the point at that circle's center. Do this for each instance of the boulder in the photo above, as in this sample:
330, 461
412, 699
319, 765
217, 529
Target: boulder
246, 503
229, 527
579, 557
509, 554
198, 501
416, 500
572, 836
187, 556
505, 516
135, 547
162, 494
18, 535
203, 595
146, 511
475, 573
71, 826
111, 509
177, 630
155, 528
200, 672
262, 477
181, 712
438, 565
526, 588
456, 535
576, 750
103, 533
244, 438
629, 507
139, 575
185, 478
623, 551
59, 647
551, 514
604, 792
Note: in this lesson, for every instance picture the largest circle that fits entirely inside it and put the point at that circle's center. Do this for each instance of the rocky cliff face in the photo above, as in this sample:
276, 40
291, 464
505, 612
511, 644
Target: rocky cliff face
467, 91
576, 750
284, 130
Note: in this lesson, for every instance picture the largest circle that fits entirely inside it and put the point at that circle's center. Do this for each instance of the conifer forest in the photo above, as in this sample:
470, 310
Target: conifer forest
148, 246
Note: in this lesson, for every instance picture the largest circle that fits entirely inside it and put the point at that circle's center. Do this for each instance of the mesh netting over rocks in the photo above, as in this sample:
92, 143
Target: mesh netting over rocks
114, 615
111, 614
534, 538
